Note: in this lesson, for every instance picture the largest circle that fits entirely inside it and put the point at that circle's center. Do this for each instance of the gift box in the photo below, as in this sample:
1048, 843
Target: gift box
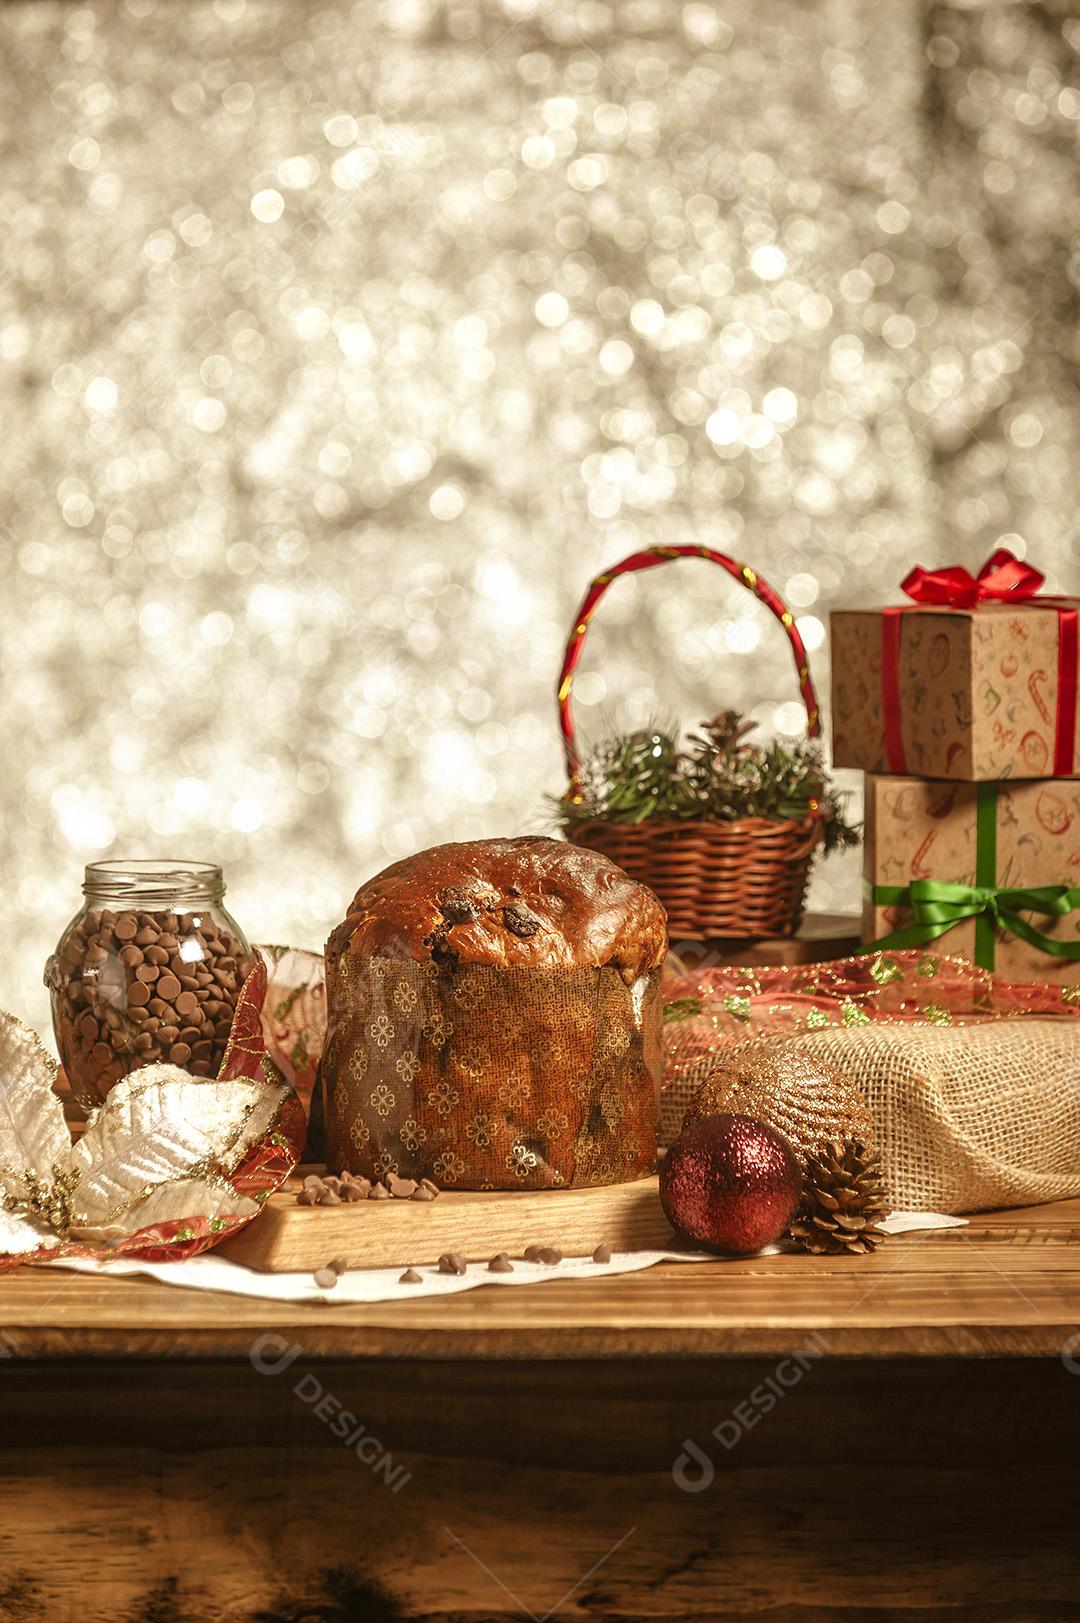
975, 679
989, 871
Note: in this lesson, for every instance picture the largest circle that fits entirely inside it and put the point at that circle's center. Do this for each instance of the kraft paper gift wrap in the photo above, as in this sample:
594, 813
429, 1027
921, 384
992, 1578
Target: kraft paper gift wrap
977, 691
961, 851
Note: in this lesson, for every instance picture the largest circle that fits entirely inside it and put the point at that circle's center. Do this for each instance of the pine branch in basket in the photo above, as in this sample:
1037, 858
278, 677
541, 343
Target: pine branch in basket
634, 777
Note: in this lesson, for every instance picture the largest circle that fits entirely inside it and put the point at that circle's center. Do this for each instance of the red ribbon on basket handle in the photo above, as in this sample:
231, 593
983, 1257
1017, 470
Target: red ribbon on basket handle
649, 558
1003, 578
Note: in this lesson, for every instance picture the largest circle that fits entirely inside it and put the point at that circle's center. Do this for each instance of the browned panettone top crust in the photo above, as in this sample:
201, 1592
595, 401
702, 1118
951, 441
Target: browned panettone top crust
523, 903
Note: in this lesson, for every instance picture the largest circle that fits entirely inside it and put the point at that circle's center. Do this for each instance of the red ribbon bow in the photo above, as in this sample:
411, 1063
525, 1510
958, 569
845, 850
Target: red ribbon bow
1001, 579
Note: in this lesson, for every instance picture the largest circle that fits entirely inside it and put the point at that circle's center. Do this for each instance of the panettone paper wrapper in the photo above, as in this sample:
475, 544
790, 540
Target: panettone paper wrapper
481, 1077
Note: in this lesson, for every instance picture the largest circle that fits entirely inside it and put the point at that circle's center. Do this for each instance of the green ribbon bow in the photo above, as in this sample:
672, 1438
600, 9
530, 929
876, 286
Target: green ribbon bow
938, 906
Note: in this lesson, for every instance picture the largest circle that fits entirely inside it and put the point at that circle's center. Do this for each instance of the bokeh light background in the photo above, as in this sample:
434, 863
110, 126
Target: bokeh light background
341, 345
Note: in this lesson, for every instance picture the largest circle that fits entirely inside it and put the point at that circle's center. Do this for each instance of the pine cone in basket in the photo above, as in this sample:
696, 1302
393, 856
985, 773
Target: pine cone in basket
724, 734
809, 1100
843, 1198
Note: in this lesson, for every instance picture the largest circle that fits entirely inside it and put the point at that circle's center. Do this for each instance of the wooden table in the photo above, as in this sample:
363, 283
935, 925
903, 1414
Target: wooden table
791, 1439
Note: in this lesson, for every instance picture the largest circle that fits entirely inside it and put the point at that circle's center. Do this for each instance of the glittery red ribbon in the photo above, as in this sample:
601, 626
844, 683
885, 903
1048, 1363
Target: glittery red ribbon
1003, 578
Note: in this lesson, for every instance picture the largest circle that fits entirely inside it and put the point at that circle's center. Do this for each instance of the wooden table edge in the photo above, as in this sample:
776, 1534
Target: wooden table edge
380, 1343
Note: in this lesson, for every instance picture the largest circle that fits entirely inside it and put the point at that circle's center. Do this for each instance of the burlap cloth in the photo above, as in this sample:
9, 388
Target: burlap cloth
973, 1081
967, 1118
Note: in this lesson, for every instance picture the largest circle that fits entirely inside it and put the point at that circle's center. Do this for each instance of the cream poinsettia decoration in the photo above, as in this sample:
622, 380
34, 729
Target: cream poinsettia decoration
160, 1149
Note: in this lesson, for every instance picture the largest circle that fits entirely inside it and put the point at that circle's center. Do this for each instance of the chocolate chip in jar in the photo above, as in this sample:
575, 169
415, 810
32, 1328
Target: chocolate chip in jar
148, 972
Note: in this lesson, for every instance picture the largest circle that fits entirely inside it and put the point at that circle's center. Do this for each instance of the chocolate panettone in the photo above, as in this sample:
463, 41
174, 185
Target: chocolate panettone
494, 1019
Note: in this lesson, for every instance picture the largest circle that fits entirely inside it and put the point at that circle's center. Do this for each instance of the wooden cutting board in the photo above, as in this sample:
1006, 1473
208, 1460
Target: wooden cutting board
287, 1238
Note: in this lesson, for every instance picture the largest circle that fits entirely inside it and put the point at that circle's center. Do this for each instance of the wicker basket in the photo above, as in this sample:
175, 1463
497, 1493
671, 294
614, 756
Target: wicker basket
742, 879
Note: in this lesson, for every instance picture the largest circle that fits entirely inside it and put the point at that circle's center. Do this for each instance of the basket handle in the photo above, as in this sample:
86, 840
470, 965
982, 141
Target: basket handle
650, 558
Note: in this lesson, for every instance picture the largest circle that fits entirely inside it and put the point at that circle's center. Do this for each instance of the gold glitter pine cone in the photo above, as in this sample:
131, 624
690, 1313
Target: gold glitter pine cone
843, 1199
806, 1099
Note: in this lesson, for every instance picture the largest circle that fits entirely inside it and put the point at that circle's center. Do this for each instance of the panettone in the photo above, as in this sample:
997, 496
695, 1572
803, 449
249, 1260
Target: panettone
494, 1019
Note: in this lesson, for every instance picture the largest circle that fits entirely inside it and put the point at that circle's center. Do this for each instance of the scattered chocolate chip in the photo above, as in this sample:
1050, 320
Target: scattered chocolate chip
533, 1253
378, 1191
500, 1264
410, 1277
325, 1278
519, 922
423, 1194
312, 1181
451, 1263
351, 1192
329, 1197
426, 1183
602, 1253
306, 1197
550, 1256
338, 1264
401, 1188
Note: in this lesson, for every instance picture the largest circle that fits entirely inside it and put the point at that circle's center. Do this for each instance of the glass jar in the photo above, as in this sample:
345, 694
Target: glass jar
148, 970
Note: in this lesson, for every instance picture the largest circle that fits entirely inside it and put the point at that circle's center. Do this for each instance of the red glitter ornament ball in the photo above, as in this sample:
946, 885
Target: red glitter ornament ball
730, 1183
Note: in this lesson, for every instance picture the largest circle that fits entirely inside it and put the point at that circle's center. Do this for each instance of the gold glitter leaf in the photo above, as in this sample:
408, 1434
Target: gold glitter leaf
885, 970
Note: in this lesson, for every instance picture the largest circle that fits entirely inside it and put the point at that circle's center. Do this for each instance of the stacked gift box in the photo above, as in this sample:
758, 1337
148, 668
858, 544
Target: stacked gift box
961, 707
